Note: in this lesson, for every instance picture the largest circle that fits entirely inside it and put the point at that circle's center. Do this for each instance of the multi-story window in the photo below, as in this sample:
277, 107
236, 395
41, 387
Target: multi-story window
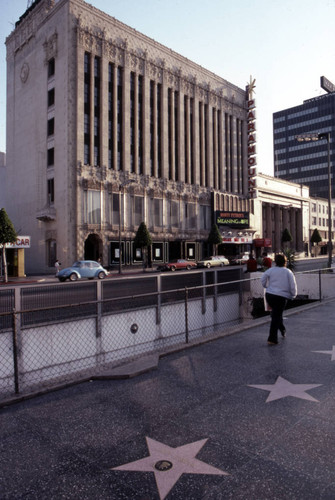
138, 210
96, 111
51, 67
51, 126
132, 121
170, 137
192, 166
156, 212
204, 217
152, 128
174, 214
51, 191
176, 135
92, 207
50, 157
87, 123
51, 97
190, 216
119, 118
140, 124
111, 112
114, 208
159, 130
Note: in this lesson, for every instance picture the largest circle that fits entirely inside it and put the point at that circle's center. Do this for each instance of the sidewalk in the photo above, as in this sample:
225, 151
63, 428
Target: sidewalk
230, 419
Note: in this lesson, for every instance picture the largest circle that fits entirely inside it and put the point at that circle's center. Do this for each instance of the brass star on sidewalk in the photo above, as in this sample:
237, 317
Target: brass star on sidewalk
168, 464
332, 353
282, 388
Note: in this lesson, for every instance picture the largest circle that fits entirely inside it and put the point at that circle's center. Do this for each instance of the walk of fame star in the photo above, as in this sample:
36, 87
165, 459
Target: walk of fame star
282, 388
332, 353
168, 464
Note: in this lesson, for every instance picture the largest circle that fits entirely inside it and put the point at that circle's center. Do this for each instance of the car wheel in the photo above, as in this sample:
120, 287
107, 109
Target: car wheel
101, 275
222, 264
172, 268
188, 267
208, 265
73, 277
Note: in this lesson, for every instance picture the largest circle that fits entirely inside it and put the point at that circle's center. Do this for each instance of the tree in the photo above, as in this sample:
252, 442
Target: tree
316, 238
7, 235
143, 240
214, 238
286, 237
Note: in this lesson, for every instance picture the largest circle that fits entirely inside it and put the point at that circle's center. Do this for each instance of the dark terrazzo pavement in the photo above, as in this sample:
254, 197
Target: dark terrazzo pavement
64, 445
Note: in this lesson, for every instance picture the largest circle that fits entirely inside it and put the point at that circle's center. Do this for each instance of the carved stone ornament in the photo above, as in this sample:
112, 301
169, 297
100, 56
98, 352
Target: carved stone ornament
24, 73
50, 47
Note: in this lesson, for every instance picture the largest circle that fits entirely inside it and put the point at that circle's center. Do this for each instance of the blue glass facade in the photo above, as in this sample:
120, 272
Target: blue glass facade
305, 162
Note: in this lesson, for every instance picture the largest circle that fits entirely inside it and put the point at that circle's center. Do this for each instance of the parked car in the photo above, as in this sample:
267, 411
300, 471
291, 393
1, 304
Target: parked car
217, 260
83, 269
173, 265
239, 259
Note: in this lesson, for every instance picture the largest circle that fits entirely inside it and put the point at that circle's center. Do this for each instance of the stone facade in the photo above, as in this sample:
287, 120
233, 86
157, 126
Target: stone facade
100, 117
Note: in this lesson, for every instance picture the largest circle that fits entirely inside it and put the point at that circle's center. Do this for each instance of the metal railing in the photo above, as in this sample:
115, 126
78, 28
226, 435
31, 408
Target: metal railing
61, 341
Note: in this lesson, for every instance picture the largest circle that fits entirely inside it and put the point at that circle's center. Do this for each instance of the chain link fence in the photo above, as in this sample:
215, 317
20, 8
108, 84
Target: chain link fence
59, 341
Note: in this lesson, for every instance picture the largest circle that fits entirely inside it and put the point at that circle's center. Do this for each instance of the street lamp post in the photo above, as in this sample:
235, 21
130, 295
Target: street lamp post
121, 186
312, 138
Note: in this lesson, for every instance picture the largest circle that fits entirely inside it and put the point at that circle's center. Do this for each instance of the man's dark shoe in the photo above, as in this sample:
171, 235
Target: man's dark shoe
272, 343
283, 332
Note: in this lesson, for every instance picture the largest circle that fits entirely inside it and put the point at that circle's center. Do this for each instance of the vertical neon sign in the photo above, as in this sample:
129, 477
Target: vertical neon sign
251, 120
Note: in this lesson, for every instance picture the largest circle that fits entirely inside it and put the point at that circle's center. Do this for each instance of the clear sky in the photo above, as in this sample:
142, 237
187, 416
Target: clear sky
286, 45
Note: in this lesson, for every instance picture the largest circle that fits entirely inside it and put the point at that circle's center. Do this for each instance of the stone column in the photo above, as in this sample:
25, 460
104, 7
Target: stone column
293, 228
277, 232
268, 221
300, 236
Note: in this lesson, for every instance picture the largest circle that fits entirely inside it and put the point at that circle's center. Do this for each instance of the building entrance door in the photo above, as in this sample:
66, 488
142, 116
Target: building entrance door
93, 247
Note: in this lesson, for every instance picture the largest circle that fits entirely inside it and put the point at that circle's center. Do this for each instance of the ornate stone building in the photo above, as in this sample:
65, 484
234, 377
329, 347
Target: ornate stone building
107, 128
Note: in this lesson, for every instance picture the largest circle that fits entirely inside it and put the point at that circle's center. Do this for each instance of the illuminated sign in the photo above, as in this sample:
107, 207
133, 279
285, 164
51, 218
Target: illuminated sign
251, 120
232, 219
327, 85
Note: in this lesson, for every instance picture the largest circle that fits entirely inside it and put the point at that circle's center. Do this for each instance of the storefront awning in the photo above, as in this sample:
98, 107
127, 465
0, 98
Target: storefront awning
237, 240
263, 242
